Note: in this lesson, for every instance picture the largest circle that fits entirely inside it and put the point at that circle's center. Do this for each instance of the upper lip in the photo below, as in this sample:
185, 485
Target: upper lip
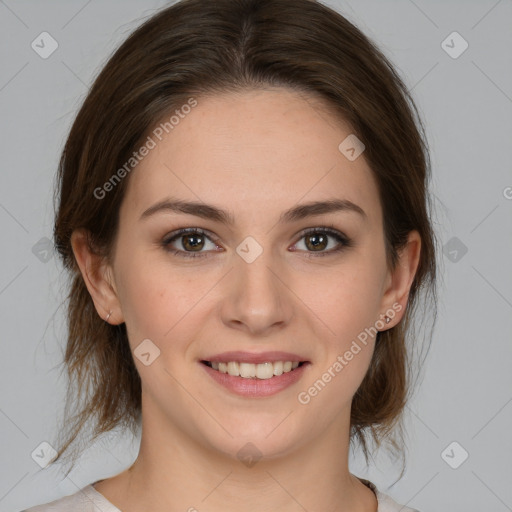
255, 358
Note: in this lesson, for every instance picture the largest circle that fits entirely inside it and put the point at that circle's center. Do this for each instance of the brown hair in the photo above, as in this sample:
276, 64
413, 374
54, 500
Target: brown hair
194, 48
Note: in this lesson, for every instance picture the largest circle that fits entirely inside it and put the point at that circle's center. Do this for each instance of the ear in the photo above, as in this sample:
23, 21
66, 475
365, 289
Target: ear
399, 281
98, 277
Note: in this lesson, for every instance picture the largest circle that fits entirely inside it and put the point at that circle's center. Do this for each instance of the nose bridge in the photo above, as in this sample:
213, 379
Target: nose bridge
257, 299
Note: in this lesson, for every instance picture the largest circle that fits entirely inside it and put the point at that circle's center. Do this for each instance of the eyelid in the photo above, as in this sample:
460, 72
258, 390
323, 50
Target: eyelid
343, 240
325, 228
175, 235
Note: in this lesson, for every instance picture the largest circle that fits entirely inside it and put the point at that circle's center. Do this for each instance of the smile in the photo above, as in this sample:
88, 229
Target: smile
254, 371
252, 380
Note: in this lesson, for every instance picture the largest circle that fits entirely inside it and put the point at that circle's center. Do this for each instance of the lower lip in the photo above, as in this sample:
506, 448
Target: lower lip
256, 388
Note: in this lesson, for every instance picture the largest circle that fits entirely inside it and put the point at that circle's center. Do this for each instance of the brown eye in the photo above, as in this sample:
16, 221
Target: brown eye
322, 241
189, 242
316, 241
192, 242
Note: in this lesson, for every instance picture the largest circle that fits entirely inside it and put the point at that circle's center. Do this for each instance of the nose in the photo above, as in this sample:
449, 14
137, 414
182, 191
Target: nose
257, 300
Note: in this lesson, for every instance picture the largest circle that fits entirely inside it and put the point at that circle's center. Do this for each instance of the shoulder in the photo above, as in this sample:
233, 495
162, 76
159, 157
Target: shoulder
86, 499
386, 503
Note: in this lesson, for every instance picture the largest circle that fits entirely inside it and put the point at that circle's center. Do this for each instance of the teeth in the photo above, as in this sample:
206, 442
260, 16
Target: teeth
258, 371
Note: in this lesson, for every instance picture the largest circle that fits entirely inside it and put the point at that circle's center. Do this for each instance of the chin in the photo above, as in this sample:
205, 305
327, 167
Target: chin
260, 440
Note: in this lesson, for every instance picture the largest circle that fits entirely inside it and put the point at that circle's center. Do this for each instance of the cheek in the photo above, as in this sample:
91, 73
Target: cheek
345, 300
333, 384
141, 293
156, 301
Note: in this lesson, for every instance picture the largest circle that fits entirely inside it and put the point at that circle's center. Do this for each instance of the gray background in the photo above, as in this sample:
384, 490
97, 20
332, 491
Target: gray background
466, 102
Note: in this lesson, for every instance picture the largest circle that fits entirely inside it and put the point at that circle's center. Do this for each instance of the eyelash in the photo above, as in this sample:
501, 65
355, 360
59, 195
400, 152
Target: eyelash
343, 240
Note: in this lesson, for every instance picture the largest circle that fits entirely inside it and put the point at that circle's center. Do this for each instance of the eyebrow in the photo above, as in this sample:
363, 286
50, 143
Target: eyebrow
216, 214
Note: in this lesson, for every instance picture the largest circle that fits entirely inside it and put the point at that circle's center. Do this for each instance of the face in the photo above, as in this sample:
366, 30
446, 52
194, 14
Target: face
281, 275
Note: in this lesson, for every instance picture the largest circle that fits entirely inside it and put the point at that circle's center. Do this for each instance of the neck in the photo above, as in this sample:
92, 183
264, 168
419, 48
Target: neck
175, 470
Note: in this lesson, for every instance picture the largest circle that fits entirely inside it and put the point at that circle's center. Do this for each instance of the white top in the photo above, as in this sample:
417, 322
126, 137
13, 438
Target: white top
88, 499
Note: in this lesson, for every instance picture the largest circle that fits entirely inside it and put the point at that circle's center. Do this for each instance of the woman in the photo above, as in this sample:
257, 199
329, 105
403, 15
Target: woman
243, 210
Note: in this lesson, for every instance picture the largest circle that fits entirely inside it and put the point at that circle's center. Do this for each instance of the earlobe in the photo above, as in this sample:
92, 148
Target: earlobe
396, 295
97, 275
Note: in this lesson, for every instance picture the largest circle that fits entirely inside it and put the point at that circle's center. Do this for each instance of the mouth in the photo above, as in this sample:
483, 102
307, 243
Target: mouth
260, 371
255, 380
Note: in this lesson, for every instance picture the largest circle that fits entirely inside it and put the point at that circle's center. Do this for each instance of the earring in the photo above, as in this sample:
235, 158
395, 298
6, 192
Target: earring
108, 316
388, 319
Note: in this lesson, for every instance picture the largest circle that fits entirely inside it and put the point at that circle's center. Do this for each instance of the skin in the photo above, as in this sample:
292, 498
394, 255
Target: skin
255, 153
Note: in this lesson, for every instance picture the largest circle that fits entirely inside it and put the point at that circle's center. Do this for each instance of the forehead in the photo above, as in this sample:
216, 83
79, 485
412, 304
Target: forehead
253, 152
